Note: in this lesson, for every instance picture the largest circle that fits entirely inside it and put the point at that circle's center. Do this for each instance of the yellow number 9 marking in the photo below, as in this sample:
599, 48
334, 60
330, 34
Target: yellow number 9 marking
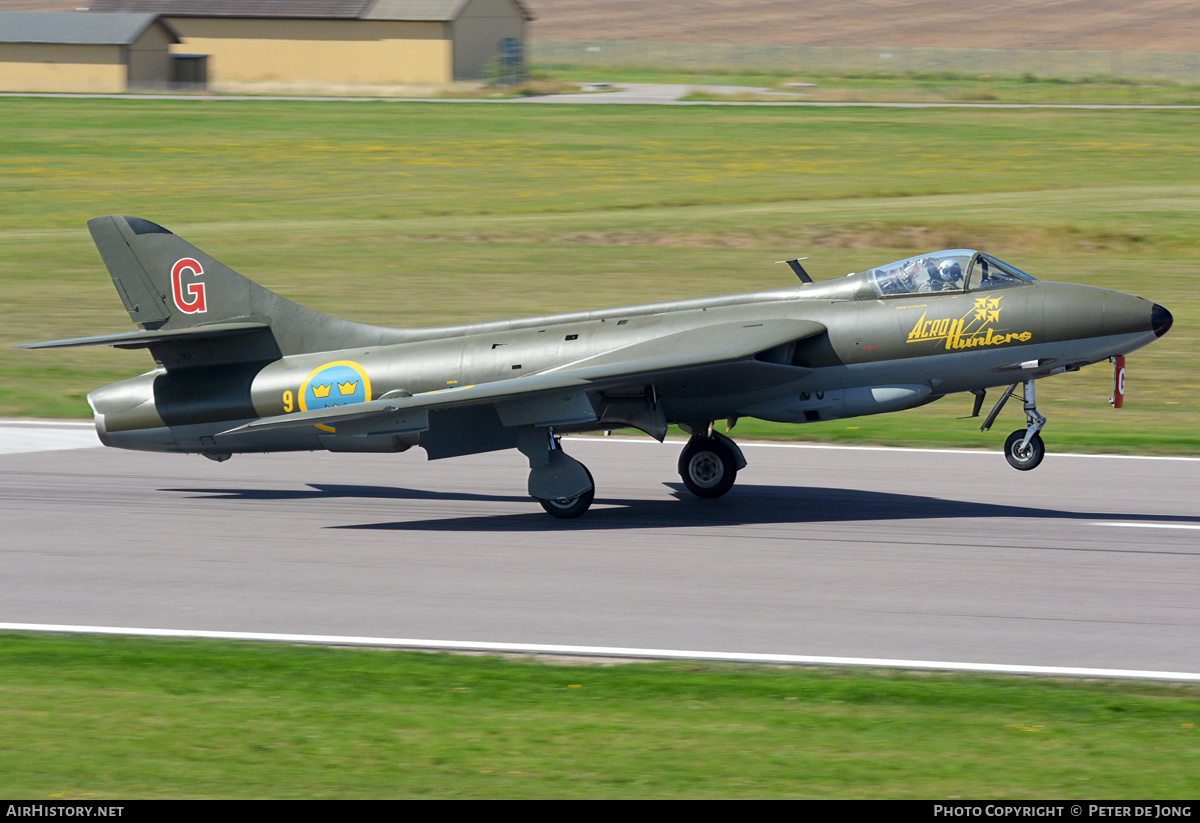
287, 401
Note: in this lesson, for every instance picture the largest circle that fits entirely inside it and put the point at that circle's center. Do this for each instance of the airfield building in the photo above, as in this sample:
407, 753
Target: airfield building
97, 53
298, 43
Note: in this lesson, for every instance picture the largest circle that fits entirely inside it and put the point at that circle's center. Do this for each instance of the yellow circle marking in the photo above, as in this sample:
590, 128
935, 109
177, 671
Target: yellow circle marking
350, 364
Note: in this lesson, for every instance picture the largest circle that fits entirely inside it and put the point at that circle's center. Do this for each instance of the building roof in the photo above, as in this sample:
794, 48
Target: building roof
70, 28
409, 10
431, 10
328, 9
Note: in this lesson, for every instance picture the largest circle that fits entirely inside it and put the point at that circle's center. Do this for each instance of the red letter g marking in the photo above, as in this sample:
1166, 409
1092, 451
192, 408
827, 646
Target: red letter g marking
189, 299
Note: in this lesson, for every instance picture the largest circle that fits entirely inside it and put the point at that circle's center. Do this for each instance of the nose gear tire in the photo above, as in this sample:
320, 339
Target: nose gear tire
1024, 459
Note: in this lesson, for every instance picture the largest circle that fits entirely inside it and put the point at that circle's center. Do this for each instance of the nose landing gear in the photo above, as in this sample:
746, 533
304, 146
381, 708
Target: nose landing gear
1023, 449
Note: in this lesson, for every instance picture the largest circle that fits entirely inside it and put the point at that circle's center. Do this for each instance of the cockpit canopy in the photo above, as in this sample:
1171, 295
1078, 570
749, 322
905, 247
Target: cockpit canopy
954, 270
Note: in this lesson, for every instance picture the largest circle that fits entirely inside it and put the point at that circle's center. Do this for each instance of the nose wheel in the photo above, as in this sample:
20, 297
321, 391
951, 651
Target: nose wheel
1022, 455
1023, 449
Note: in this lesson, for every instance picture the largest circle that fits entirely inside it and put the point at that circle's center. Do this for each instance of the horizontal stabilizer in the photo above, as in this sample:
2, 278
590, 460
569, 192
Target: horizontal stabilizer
145, 339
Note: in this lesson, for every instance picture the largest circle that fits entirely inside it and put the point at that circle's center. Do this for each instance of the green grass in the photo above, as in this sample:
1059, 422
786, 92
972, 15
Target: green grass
105, 717
423, 214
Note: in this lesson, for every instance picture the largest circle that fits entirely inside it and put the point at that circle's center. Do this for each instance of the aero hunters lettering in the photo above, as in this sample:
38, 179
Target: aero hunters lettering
973, 329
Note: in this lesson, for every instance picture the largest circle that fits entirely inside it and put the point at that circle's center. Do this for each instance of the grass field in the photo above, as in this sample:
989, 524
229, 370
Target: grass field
99, 718
421, 214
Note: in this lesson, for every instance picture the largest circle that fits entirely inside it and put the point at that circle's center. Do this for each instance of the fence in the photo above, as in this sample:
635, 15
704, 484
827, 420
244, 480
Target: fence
800, 60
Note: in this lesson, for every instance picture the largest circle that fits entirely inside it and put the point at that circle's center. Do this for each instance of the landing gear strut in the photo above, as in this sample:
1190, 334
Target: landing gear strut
709, 463
1023, 449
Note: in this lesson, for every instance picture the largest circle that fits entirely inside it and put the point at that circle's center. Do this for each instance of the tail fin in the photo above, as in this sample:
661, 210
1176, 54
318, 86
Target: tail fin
167, 284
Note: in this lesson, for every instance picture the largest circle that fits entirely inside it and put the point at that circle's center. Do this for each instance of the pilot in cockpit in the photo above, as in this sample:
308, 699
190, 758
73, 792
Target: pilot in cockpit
920, 275
930, 275
947, 276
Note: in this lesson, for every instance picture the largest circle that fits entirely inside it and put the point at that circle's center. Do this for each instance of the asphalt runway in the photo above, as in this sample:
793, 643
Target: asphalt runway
665, 94
875, 553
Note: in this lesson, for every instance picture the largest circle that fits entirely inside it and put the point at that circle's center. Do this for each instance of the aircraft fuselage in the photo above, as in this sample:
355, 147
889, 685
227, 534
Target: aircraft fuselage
878, 355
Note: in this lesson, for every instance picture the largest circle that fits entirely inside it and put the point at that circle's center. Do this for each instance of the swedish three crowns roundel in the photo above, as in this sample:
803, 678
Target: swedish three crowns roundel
335, 384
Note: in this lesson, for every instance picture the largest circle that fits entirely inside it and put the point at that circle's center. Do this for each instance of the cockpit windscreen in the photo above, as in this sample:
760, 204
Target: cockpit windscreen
990, 273
945, 271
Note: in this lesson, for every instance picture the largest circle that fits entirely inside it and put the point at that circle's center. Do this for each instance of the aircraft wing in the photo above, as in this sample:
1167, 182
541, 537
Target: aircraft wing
721, 358
702, 352
550, 400
703, 346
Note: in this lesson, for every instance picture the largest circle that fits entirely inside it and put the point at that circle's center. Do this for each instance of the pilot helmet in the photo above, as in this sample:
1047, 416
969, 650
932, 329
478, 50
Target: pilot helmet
949, 271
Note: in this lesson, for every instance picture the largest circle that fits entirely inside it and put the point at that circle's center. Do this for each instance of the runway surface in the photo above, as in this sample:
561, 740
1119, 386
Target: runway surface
664, 94
872, 553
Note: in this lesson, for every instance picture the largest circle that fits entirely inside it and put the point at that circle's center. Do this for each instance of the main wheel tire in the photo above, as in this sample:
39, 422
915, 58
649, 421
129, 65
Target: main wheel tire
707, 467
1024, 459
568, 508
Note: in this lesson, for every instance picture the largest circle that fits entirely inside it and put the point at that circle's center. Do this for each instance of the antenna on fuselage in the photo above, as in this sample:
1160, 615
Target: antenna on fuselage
797, 268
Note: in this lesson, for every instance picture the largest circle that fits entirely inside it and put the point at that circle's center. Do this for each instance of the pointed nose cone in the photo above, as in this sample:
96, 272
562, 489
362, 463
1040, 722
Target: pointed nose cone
1160, 320
1126, 314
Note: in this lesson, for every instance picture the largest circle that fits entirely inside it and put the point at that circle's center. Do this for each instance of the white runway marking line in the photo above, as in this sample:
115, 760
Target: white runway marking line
751, 444
613, 651
53, 423
28, 436
81, 435
1150, 525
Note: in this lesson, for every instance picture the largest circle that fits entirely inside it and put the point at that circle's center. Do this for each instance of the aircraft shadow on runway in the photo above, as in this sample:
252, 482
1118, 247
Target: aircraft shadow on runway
744, 505
328, 491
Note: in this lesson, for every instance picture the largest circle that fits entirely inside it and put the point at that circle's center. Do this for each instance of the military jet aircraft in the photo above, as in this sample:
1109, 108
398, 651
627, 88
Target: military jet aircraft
241, 369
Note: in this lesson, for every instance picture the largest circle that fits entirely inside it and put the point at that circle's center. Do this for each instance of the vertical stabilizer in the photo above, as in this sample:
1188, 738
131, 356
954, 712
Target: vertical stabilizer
167, 284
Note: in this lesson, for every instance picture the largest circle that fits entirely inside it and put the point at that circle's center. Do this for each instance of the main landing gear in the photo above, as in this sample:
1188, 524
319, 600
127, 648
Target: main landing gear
709, 463
558, 481
1023, 449
568, 508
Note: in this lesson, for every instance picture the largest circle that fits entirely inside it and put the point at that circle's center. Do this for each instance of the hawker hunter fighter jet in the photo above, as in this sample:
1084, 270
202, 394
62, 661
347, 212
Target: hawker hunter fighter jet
240, 369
